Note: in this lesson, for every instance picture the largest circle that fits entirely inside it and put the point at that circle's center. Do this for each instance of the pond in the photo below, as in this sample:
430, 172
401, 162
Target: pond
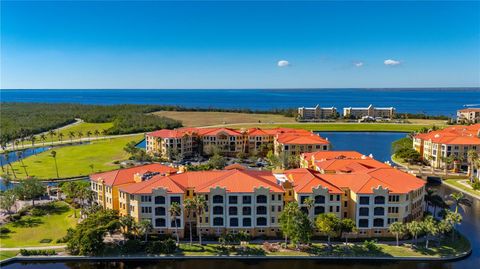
366, 142
13, 157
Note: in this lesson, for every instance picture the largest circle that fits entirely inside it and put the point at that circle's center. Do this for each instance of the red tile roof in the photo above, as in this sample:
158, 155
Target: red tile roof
124, 176
301, 139
330, 154
454, 135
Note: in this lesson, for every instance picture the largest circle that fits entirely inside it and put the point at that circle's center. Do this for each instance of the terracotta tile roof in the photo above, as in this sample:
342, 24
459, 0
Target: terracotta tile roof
454, 135
301, 139
202, 181
217, 131
349, 165
469, 110
305, 180
235, 166
330, 154
124, 176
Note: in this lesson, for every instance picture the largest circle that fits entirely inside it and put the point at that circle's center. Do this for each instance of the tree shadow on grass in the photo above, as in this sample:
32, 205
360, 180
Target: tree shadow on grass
27, 222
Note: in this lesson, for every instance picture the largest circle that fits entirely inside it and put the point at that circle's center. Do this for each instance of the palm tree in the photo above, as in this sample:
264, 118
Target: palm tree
33, 139
89, 133
43, 137
200, 204
437, 201
190, 209
414, 228
127, 223
398, 229
52, 133
60, 137
458, 199
430, 227
71, 135
54, 155
96, 133
175, 211
309, 203
104, 132
472, 159
19, 154
428, 197
453, 218
145, 226
7, 159
447, 161
91, 166
1, 162
79, 135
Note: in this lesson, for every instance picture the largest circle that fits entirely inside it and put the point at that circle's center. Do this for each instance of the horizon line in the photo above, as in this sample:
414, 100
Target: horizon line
288, 88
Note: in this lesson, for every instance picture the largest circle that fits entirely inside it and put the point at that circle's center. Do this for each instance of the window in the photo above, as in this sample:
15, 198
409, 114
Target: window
319, 199
304, 209
175, 199
378, 211
273, 197
217, 199
345, 204
247, 222
338, 208
279, 197
378, 222
364, 200
279, 208
247, 199
363, 211
393, 198
146, 209
261, 210
233, 211
234, 222
261, 221
160, 211
273, 208
217, 221
379, 200
363, 223
177, 222
247, 211
160, 223
338, 197
319, 210
393, 209
302, 199
217, 210
232, 200
261, 199
146, 199
159, 200
273, 220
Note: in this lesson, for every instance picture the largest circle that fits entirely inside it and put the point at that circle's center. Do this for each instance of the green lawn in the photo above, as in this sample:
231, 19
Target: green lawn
76, 160
7, 254
454, 182
83, 127
342, 127
30, 230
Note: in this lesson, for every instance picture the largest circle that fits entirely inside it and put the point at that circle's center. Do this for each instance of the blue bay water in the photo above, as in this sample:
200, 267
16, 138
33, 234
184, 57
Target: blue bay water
430, 101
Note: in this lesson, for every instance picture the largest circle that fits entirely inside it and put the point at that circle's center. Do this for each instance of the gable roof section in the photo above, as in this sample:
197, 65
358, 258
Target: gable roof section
125, 175
301, 139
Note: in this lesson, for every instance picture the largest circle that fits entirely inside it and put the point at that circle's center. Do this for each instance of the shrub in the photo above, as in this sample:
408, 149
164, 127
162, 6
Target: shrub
37, 252
371, 245
132, 246
4, 230
476, 185
167, 246
38, 212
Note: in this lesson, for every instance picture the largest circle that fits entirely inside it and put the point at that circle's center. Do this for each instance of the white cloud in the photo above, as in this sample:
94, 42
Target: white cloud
283, 63
391, 62
358, 64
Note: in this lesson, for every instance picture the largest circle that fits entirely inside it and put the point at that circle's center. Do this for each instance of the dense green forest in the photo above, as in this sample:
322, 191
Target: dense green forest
24, 119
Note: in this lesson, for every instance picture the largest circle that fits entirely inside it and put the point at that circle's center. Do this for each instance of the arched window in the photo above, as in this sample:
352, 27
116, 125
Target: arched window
234, 222
178, 221
160, 222
379, 211
160, 211
363, 211
217, 221
247, 211
217, 199
379, 200
363, 223
378, 222
159, 200
319, 199
261, 210
233, 211
217, 210
261, 199
319, 210
261, 221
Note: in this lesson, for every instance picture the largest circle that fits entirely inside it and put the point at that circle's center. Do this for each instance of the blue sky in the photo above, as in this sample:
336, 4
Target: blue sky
109, 44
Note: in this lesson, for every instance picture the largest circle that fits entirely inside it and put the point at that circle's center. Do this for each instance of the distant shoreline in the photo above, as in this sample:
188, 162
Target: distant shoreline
255, 89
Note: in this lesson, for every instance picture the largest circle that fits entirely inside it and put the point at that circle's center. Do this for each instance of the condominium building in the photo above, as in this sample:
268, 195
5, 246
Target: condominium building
457, 140
105, 185
468, 115
187, 142
370, 111
316, 113
252, 201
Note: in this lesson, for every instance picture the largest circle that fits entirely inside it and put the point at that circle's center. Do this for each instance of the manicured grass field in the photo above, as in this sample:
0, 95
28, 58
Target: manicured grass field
76, 160
83, 127
30, 230
7, 254
196, 119
342, 127
454, 182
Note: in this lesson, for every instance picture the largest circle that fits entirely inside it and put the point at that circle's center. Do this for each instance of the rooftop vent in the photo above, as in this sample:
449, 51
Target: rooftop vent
149, 175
